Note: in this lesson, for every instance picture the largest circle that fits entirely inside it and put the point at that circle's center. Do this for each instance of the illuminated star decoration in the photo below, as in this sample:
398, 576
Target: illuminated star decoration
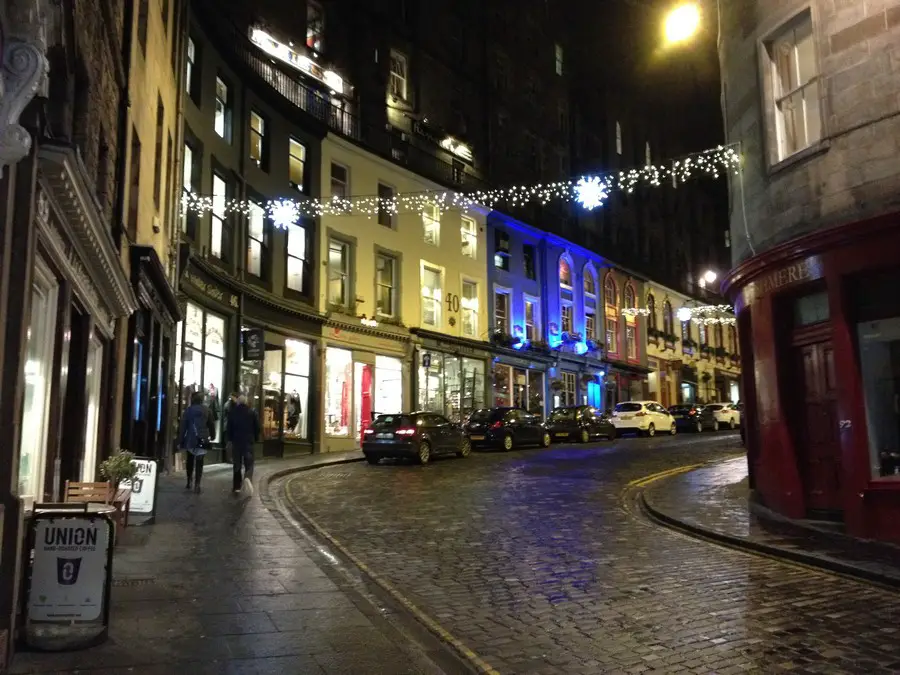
590, 192
284, 213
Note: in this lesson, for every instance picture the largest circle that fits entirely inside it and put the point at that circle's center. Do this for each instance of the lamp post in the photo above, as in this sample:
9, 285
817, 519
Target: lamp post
682, 23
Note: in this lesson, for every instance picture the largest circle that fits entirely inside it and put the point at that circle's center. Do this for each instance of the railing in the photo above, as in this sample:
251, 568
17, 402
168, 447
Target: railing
379, 139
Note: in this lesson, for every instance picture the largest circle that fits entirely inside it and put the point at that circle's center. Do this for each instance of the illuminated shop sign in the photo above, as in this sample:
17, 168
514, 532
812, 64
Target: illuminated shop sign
301, 62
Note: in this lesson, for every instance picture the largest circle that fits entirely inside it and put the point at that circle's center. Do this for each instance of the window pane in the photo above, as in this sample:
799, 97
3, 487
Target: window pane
813, 121
215, 335
338, 390
296, 164
337, 273
469, 238
805, 54
386, 198
254, 258
296, 245
431, 382
193, 326
295, 274
256, 221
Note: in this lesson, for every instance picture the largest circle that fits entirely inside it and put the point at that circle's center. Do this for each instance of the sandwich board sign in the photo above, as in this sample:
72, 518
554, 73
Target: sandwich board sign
70, 579
143, 489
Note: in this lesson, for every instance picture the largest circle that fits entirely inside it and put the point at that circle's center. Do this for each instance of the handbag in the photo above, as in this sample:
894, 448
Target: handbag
203, 442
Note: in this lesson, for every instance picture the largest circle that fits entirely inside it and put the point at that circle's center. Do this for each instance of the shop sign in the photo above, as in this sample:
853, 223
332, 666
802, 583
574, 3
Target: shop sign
456, 350
143, 487
799, 272
211, 290
253, 343
69, 571
361, 340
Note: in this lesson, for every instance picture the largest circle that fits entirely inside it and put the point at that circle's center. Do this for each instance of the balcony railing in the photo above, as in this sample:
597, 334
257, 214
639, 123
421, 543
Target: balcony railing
379, 139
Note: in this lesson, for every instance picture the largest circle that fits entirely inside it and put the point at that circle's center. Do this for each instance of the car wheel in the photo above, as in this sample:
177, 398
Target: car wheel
716, 425
673, 429
699, 427
585, 436
651, 430
545, 439
732, 424
507, 442
465, 449
372, 459
424, 452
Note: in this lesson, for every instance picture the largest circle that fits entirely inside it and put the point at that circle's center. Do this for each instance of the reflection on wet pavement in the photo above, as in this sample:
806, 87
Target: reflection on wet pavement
530, 560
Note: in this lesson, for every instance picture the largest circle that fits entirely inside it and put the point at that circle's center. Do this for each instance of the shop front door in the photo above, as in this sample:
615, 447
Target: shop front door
816, 436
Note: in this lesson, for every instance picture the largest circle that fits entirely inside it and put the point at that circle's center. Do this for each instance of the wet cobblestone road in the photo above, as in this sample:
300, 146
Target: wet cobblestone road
530, 560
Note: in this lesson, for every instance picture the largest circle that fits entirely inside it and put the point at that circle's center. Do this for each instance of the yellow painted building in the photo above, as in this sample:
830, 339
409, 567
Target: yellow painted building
405, 296
690, 362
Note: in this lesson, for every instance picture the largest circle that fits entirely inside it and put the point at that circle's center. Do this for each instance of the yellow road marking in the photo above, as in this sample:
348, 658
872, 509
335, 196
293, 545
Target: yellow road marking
646, 480
431, 624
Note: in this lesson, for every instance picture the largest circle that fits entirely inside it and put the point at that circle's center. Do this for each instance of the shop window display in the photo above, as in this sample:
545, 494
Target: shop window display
388, 396
451, 386
338, 391
35, 412
519, 387
272, 393
296, 388
431, 382
93, 373
879, 356
203, 360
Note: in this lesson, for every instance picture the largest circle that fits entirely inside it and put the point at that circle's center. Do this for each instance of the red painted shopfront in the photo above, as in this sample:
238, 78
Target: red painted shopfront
819, 324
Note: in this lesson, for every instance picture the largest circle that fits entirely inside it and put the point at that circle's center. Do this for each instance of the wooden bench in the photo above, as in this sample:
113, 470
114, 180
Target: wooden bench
101, 493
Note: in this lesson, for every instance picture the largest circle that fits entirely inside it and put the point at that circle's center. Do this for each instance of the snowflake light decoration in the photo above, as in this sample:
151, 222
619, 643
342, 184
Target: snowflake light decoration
284, 213
590, 192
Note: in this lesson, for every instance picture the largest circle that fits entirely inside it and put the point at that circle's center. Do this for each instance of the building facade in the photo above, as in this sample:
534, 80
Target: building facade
65, 292
404, 295
812, 97
690, 361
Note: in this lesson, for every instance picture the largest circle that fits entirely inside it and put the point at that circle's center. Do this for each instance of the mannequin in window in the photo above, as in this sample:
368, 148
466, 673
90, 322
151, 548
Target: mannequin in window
294, 410
212, 402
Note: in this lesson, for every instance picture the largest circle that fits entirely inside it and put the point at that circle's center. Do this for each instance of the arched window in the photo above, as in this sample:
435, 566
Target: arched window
610, 292
565, 273
629, 296
651, 308
686, 337
668, 323
732, 333
590, 283
611, 315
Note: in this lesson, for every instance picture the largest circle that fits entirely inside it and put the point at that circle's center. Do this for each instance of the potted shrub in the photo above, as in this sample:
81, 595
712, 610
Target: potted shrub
118, 467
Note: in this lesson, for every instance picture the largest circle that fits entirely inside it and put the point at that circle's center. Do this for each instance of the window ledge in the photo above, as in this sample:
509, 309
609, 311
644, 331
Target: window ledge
799, 157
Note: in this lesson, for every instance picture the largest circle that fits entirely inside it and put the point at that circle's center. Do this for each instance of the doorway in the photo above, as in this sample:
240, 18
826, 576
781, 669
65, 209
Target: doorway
816, 428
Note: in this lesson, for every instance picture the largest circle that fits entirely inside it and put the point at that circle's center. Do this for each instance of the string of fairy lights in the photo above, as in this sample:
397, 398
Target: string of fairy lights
590, 192
704, 315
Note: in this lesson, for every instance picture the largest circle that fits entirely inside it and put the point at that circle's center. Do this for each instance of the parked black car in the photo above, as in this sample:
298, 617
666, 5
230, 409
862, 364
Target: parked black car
580, 423
506, 428
693, 417
418, 435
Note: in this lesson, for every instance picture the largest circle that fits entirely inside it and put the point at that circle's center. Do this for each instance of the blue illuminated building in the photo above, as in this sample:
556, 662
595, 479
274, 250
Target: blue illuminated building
556, 310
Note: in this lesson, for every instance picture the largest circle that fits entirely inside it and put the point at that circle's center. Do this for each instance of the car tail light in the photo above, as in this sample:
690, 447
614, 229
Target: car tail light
640, 414
404, 432
369, 431
497, 425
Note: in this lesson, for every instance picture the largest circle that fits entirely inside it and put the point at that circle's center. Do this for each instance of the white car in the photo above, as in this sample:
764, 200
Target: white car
644, 417
726, 414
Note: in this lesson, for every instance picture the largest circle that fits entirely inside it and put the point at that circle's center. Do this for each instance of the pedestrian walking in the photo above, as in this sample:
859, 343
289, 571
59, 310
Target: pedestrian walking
243, 431
195, 436
229, 404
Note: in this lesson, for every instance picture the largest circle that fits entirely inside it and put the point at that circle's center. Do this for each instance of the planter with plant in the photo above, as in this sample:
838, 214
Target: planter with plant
118, 467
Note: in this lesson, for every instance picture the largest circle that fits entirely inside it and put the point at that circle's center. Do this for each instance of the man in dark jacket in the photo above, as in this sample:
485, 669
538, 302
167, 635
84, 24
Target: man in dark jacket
242, 431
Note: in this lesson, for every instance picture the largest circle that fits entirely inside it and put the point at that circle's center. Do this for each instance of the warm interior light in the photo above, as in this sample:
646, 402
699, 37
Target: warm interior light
682, 23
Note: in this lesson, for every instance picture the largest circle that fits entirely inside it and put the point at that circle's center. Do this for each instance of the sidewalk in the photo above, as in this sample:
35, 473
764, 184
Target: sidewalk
217, 585
714, 501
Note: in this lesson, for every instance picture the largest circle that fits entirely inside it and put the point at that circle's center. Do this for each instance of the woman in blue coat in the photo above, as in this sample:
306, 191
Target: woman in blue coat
197, 431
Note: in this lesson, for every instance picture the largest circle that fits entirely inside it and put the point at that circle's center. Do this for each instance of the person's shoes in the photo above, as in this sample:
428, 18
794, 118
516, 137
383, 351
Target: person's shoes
197, 489
248, 487
237, 492
188, 486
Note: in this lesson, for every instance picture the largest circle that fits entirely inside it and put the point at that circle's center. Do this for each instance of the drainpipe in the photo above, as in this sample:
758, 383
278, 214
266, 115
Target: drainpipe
124, 114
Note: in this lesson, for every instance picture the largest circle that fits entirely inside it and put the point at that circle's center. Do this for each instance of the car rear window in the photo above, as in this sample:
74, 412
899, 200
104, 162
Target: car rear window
681, 408
392, 421
715, 406
487, 414
628, 407
561, 414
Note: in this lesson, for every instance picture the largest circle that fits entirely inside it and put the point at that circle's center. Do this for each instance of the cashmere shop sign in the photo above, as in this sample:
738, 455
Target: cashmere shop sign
361, 340
69, 580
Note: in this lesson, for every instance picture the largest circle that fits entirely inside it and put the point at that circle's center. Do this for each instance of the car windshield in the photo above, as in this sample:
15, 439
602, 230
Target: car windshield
563, 414
715, 406
487, 414
628, 407
392, 421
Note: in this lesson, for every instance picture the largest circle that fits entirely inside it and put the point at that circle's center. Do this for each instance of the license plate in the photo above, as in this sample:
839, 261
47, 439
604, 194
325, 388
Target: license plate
562, 433
624, 417
388, 435
476, 438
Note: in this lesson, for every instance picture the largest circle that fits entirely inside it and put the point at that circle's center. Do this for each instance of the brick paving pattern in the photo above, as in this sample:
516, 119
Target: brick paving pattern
530, 559
218, 586
716, 499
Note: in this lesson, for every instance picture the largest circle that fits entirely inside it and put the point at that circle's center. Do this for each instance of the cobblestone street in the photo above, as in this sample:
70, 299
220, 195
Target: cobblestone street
531, 561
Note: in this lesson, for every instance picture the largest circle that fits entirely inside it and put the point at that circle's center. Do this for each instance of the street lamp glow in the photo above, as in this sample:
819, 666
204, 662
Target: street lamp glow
709, 276
682, 23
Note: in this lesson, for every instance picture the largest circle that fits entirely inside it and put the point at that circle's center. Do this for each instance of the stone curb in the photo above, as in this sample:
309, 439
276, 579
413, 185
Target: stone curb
470, 658
742, 543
